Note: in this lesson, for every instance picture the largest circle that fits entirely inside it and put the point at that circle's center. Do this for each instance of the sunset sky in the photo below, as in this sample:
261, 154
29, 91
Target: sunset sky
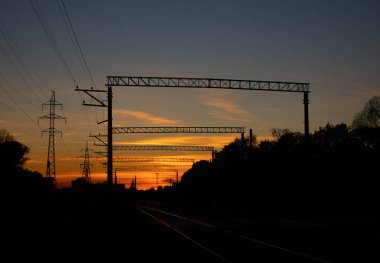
333, 45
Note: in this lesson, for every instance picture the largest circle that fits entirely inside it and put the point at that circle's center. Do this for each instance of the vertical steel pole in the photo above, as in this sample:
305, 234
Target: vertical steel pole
156, 181
306, 112
250, 139
109, 137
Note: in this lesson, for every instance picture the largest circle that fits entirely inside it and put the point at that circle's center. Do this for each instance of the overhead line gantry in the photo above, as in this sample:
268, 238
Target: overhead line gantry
153, 159
142, 169
118, 81
210, 83
163, 160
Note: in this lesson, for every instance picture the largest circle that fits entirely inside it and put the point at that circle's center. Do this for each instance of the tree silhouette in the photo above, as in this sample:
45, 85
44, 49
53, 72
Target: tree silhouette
5, 136
13, 154
328, 171
369, 115
277, 133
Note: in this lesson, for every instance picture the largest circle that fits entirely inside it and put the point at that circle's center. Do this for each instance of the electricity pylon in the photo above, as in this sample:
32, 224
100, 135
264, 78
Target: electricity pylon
52, 116
86, 172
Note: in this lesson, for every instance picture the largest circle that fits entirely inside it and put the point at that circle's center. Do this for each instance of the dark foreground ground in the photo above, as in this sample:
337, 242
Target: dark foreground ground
119, 231
102, 234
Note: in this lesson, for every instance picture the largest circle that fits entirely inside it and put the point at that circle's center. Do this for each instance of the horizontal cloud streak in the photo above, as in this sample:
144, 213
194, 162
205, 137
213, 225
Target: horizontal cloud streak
141, 115
217, 141
4, 122
224, 116
227, 110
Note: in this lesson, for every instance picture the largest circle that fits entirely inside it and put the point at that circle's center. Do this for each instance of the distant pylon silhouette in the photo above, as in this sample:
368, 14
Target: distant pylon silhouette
50, 165
86, 172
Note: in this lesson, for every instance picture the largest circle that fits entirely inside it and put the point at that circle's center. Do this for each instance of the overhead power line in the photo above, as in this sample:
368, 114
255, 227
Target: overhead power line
50, 36
19, 72
17, 128
20, 57
27, 116
71, 30
78, 49
54, 44
19, 94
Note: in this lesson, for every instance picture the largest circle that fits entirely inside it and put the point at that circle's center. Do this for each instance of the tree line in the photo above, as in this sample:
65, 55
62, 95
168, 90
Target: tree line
334, 169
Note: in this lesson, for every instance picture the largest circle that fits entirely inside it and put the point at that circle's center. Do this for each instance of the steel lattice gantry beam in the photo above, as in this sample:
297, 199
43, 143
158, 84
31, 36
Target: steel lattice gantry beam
117, 130
166, 160
143, 169
162, 148
207, 83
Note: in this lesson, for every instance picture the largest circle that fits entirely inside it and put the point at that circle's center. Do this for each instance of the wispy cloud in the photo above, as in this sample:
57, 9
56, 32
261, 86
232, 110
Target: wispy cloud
73, 133
224, 116
69, 159
141, 115
217, 141
3, 121
227, 109
32, 161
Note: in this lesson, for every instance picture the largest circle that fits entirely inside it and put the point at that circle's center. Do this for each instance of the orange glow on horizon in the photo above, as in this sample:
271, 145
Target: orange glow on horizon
68, 167
145, 179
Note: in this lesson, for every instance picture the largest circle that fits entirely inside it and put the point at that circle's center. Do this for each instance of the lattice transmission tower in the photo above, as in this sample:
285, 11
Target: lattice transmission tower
52, 116
86, 171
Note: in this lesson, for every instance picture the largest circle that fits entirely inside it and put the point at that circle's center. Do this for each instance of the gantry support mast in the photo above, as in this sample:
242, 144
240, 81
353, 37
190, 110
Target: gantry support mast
100, 103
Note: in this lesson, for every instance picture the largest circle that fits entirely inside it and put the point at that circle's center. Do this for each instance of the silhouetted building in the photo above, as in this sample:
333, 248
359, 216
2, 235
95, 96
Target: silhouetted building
80, 184
48, 182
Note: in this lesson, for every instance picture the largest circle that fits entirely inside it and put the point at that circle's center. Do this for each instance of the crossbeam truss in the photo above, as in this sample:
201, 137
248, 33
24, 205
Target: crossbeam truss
162, 160
99, 137
207, 83
145, 169
162, 148
155, 148
102, 154
117, 130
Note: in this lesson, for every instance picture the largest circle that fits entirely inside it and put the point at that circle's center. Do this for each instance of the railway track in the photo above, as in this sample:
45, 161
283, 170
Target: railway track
223, 244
